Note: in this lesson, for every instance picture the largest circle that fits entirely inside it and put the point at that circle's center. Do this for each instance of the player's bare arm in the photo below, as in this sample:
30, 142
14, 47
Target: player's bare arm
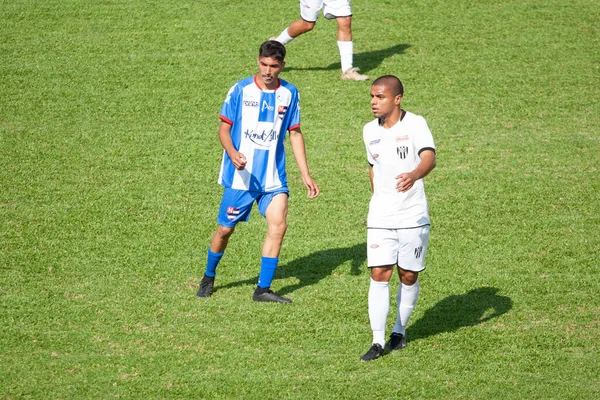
299, 150
237, 158
371, 175
407, 180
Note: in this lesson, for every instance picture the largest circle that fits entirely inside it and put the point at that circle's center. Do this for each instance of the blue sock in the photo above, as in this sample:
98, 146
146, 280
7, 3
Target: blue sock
212, 262
267, 272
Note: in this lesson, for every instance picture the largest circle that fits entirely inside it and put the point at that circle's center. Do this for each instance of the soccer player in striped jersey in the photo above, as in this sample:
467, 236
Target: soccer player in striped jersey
400, 152
256, 116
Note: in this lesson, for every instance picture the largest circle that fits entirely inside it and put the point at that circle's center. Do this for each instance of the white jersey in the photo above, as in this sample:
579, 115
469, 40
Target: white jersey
392, 152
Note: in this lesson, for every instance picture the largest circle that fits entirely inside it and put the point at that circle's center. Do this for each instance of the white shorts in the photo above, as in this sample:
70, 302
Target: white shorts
405, 248
309, 9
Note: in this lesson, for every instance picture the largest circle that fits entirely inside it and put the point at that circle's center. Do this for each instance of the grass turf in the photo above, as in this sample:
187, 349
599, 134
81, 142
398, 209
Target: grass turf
108, 195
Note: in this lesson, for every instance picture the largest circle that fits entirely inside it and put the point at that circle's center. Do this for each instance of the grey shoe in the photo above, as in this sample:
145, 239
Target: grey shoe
352, 74
374, 352
206, 286
267, 294
397, 341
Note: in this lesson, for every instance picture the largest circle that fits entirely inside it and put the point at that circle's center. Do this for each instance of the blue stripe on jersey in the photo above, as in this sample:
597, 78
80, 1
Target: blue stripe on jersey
260, 161
260, 121
227, 171
267, 107
280, 163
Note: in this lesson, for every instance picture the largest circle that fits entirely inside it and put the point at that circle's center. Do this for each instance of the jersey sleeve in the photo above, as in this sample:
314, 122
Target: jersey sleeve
230, 105
370, 158
423, 138
295, 111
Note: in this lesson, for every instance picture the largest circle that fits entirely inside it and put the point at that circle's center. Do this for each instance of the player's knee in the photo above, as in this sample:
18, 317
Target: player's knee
381, 274
408, 277
224, 232
307, 26
279, 229
344, 23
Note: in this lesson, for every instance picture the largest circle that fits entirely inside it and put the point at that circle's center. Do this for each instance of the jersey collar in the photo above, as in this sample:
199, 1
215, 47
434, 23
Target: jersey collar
266, 90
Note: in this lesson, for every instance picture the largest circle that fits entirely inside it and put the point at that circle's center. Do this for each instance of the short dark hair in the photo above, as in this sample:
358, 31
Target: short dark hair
392, 82
273, 49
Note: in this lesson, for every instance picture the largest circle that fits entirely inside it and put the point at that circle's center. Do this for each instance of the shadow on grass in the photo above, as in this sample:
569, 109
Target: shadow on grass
312, 268
366, 61
454, 312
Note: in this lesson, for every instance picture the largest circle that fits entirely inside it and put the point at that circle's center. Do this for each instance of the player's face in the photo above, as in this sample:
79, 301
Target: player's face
269, 69
383, 102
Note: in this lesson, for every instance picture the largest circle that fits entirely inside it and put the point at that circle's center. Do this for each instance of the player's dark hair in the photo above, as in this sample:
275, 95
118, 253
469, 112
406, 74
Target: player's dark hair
273, 49
392, 82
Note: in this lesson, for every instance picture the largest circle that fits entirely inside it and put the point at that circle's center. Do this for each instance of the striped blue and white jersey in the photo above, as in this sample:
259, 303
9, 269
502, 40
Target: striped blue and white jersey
259, 122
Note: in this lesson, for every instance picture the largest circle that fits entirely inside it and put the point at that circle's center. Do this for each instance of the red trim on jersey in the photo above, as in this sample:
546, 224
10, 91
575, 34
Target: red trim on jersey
256, 83
226, 120
291, 128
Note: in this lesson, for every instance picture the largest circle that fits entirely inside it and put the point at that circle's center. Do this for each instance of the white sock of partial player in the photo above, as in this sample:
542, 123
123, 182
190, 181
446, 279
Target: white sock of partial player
284, 37
379, 306
406, 299
346, 54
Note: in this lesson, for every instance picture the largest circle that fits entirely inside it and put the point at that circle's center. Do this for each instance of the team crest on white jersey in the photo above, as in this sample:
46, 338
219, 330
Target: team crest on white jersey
402, 151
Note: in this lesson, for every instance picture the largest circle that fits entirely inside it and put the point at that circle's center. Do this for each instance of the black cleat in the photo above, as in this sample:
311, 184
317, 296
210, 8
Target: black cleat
374, 352
397, 341
267, 294
206, 286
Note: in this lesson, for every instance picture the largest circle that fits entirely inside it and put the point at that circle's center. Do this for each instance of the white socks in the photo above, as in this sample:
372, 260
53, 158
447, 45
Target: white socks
346, 49
406, 299
379, 306
284, 38
346, 53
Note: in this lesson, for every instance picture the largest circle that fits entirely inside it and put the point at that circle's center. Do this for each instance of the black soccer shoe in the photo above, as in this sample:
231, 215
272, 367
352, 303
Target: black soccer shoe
206, 286
267, 294
397, 341
374, 352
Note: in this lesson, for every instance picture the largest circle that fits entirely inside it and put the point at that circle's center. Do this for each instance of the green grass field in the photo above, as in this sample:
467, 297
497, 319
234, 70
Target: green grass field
108, 197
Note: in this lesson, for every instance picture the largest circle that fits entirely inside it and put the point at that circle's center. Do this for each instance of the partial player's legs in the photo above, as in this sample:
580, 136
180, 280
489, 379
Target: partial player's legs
235, 207
406, 299
341, 12
344, 30
216, 250
220, 238
379, 306
411, 260
346, 48
276, 215
298, 28
309, 12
